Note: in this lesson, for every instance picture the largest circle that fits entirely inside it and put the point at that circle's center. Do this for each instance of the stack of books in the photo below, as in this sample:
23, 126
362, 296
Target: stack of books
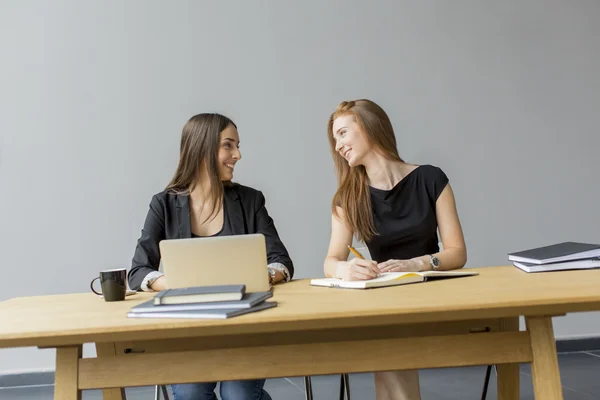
557, 257
208, 302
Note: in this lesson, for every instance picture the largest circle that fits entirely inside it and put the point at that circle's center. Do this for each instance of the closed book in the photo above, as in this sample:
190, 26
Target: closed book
249, 300
199, 294
204, 314
560, 266
391, 279
558, 252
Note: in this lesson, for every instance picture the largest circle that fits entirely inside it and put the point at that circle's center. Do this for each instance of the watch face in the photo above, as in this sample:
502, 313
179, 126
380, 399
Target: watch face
435, 261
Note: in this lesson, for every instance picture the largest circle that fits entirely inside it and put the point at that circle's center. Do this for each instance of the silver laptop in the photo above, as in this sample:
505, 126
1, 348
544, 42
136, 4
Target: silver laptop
221, 260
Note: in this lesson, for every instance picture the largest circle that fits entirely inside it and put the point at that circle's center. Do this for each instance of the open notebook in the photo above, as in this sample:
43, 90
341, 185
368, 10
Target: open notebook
391, 279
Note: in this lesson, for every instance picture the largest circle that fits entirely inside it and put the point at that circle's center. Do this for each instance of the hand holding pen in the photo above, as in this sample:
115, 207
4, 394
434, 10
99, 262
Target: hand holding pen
358, 268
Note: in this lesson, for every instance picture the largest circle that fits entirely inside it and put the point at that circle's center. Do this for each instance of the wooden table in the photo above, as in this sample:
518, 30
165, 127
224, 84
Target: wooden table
313, 331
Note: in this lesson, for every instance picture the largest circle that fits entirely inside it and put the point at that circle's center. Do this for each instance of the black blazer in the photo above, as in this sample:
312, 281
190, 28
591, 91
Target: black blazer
169, 218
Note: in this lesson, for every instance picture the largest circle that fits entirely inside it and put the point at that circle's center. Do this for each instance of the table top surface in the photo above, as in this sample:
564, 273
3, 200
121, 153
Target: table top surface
497, 292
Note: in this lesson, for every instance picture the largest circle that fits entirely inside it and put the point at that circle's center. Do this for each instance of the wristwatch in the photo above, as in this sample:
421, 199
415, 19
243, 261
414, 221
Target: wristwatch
434, 262
152, 280
281, 268
272, 273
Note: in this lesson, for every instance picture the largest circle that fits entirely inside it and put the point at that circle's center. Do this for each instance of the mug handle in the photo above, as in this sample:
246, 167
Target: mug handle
92, 286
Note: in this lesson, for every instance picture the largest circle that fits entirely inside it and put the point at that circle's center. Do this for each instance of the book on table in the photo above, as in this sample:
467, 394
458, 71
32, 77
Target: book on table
555, 253
588, 263
215, 313
249, 300
198, 294
392, 279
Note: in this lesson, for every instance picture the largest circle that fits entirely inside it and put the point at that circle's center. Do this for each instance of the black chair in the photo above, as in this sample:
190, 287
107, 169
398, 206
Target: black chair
486, 382
163, 389
344, 387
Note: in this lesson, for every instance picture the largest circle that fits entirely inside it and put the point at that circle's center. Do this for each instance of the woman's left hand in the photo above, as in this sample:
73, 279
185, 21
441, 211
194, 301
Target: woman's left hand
412, 265
277, 278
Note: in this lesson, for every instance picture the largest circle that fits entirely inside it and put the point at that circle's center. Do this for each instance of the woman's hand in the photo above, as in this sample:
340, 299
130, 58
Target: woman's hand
412, 265
277, 278
357, 269
159, 284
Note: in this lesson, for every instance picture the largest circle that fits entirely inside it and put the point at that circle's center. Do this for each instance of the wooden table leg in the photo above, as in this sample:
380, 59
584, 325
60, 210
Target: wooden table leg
509, 374
544, 367
67, 373
106, 350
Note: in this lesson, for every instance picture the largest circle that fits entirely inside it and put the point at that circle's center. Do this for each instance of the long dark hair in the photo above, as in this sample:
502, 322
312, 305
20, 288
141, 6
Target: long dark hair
353, 194
200, 141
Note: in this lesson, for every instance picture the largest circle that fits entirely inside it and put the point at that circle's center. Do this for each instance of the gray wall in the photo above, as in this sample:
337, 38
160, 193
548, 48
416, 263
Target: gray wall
504, 96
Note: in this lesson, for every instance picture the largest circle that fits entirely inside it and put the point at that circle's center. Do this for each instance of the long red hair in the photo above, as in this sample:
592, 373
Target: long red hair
352, 194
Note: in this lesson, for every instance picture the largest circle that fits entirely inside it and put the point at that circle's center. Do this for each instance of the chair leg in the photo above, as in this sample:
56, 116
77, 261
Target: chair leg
486, 382
347, 384
156, 393
165, 392
308, 388
344, 387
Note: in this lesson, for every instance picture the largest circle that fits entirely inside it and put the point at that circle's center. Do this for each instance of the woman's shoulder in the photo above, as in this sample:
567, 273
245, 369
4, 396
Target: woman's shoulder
434, 179
167, 197
429, 169
245, 192
431, 172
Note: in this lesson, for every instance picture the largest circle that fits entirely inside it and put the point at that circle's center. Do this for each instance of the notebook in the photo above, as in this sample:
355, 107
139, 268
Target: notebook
556, 253
204, 314
561, 266
198, 294
249, 300
391, 279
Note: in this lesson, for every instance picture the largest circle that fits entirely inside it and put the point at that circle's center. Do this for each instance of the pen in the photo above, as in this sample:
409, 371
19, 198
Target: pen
356, 253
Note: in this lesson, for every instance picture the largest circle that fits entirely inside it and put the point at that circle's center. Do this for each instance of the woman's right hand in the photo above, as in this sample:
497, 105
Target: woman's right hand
357, 269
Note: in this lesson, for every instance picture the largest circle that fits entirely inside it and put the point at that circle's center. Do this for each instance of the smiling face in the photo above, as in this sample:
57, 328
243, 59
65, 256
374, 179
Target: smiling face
229, 152
350, 140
